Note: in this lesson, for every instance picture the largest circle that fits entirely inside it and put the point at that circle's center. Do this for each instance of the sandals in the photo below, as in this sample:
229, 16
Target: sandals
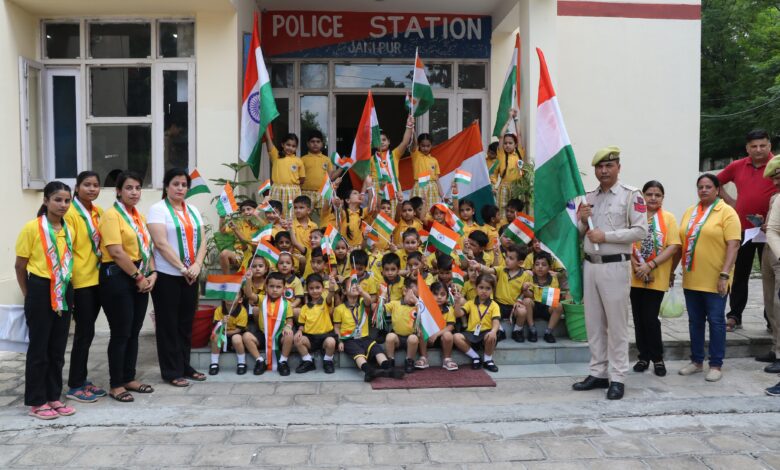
124, 397
43, 412
180, 382
143, 388
421, 363
449, 364
214, 369
490, 365
197, 376
61, 409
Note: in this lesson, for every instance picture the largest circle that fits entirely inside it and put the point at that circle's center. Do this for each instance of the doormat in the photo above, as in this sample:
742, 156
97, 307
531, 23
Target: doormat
437, 377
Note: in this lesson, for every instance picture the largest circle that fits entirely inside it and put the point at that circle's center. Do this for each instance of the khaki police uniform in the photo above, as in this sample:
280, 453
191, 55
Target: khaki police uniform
620, 212
770, 263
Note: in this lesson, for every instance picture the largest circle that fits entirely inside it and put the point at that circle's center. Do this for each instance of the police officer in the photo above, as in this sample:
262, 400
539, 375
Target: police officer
611, 221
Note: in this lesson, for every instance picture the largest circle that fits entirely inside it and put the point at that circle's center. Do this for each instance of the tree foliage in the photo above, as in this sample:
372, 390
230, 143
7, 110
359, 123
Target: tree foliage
740, 74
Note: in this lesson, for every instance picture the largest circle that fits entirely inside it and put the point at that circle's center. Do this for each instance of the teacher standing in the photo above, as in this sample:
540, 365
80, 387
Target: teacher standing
179, 249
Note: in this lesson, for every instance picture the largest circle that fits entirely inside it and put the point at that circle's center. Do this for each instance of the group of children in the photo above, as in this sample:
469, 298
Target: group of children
356, 290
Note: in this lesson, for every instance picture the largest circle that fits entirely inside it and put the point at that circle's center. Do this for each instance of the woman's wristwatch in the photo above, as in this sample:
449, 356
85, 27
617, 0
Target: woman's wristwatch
724, 275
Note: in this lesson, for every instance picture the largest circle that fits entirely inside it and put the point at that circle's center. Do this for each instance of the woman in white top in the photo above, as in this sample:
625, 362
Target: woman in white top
179, 249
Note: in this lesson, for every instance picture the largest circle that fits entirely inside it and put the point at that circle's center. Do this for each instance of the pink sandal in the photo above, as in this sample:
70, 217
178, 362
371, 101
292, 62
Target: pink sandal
43, 412
62, 409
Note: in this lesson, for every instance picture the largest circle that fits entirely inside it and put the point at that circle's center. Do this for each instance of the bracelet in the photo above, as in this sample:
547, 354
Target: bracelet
136, 274
724, 275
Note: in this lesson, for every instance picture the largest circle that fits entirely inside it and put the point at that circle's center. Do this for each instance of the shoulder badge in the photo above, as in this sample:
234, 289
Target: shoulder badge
639, 204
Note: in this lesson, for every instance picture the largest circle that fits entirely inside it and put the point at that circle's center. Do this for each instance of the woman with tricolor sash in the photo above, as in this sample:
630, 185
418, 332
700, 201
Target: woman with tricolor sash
82, 220
179, 250
126, 277
44, 266
652, 266
710, 232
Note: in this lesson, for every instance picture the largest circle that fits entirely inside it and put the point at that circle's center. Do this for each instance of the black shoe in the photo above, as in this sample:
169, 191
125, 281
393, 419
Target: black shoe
773, 368
641, 365
590, 383
659, 368
548, 337
304, 367
284, 369
328, 367
490, 365
214, 369
616, 391
260, 367
519, 336
501, 335
395, 373
476, 363
241, 369
371, 373
388, 364
768, 357
533, 336
409, 366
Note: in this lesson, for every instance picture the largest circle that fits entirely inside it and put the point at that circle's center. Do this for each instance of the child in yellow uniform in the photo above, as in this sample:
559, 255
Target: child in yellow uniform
466, 211
469, 290
476, 249
283, 242
489, 215
254, 287
423, 163
491, 160
402, 319
415, 265
509, 286
408, 220
534, 284
510, 162
382, 243
47, 311
411, 244
393, 157
302, 224
287, 171
293, 288
483, 323
352, 218
242, 229
444, 338
317, 167
315, 330
261, 339
235, 325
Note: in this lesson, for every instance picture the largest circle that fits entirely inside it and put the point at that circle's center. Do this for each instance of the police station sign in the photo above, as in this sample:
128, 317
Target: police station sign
319, 34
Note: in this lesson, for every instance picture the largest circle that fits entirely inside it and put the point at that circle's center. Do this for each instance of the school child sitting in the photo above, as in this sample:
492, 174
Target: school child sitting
513, 206
509, 287
315, 330
235, 325
242, 228
419, 211
475, 249
411, 244
254, 286
535, 284
483, 323
408, 219
273, 314
271, 214
490, 217
467, 211
293, 288
283, 242
414, 265
444, 338
402, 318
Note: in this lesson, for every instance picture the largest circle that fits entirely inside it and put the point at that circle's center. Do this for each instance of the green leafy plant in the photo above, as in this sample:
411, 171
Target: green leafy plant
523, 188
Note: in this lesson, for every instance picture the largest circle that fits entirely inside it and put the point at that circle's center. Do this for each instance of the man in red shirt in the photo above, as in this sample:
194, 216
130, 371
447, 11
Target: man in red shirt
753, 194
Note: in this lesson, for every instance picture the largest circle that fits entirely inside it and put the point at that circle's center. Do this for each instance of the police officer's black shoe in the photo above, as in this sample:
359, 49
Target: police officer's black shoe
773, 368
260, 367
284, 369
616, 390
590, 383
768, 357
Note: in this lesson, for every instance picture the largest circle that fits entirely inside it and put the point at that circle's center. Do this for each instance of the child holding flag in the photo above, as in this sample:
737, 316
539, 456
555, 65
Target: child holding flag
387, 173
272, 335
254, 286
510, 163
407, 220
484, 318
230, 330
293, 288
426, 172
443, 338
403, 315
317, 167
541, 297
242, 228
509, 287
287, 170
315, 330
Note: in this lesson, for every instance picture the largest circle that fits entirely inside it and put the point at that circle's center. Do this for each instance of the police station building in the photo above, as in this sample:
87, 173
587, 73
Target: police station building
150, 84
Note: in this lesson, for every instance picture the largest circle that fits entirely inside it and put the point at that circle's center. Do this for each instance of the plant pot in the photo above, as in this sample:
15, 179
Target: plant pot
201, 325
575, 320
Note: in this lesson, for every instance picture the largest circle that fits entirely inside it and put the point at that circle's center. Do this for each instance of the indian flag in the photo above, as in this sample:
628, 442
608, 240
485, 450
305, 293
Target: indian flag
429, 315
408, 102
266, 186
263, 233
266, 208
267, 251
519, 232
424, 178
458, 276
223, 286
366, 138
226, 204
384, 222
551, 296
510, 92
258, 107
341, 162
423, 236
330, 239
557, 183
422, 93
444, 239
525, 218
353, 278
326, 190
197, 184
462, 177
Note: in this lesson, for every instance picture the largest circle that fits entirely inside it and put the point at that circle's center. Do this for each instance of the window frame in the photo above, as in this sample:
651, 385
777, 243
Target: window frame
48, 154
30, 181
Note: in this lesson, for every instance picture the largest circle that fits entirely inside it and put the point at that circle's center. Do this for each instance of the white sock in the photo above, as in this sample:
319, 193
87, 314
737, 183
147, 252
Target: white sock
487, 357
327, 358
215, 358
261, 358
472, 354
306, 357
282, 358
241, 358
517, 327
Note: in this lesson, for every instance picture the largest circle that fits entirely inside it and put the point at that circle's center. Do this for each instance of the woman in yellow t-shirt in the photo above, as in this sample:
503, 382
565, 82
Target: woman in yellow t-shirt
126, 277
287, 171
652, 266
83, 219
710, 233
44, 265
427, 166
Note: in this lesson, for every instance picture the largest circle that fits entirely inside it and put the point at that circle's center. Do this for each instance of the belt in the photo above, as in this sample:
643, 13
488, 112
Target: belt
599, 259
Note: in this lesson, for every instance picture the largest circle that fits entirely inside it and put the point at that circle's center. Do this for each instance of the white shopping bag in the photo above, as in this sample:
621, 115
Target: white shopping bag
14, 335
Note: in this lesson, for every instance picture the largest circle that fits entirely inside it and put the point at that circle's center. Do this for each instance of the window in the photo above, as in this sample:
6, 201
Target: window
314, 117
314, 75
135, 80
472, 76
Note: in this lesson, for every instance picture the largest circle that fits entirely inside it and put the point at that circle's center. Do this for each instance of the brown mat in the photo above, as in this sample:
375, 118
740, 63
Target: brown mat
436, 377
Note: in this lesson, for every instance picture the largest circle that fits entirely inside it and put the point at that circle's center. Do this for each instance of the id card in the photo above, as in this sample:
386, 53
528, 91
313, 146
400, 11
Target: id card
478, 329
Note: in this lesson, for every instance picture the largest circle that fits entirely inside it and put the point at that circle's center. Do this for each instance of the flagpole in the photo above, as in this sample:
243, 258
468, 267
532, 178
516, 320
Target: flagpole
414, 66
582, 200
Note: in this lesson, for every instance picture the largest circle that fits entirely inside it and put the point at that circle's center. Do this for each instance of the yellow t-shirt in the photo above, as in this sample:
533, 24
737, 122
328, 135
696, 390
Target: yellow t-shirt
115, 231
85, 261
469, 291
493, 175
508, 287
293, 288
721, 226
315, 319
402, 317
240, 321
528, 276
402, 227
449, 314
352, 222
286, 170
303, 232
343, 315
488, 314
316, 167
425, 163
244, 228
29, 245
509, 163
259, 291
661, 273
403, 255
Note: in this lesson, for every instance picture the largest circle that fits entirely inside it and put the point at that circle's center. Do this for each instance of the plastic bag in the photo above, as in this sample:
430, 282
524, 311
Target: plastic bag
13, 329
673, 304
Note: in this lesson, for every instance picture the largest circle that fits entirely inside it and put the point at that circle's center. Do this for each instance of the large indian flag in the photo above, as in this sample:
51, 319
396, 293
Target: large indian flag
557, 183
258, 107
510, 92
366, 138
